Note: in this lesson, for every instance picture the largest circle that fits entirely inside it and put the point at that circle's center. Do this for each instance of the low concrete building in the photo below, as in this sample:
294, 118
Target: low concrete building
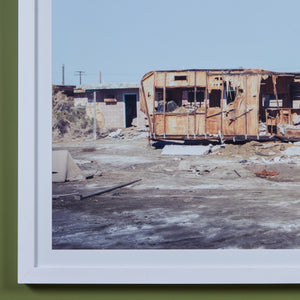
117, 104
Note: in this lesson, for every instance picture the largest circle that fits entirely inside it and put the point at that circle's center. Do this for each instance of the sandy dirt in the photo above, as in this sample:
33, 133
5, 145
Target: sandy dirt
182, 202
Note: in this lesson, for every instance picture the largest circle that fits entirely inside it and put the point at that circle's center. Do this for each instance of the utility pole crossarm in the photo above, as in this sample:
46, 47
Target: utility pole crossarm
80, 74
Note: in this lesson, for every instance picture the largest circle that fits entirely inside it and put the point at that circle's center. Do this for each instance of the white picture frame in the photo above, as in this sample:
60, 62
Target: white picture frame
38, 263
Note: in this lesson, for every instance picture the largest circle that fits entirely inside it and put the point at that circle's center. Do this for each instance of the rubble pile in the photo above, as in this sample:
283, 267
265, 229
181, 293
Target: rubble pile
130, 133
70, 123
247, 153
253, 149
267, 153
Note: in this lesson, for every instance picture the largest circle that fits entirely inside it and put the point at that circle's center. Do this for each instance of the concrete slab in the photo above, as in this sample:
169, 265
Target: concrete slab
292, 151
185, 150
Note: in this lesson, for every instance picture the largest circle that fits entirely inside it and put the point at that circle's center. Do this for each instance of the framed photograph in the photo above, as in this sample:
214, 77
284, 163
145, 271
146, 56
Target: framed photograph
141, 162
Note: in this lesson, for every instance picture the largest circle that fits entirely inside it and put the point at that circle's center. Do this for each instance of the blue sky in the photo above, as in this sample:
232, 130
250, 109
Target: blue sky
127, 38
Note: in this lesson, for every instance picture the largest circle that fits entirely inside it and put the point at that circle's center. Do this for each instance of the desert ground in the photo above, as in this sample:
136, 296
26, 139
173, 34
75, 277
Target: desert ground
219, 197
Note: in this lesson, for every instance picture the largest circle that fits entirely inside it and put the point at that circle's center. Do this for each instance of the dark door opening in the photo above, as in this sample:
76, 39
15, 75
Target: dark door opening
130, 109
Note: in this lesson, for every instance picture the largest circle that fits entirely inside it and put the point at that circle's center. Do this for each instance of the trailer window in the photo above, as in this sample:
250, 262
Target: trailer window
180, 77
230, 96
199, 96
269, 100
215, 98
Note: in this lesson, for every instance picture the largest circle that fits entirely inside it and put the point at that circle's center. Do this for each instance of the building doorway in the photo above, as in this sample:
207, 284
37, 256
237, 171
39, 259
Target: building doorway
130, 108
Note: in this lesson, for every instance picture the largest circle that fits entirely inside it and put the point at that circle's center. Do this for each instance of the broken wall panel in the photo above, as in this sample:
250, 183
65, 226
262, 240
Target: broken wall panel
252, 104
147, 93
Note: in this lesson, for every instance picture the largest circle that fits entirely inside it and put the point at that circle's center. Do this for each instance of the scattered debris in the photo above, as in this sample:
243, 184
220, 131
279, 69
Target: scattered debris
82, 162
277, 159
89, 174
132, 133
261, 154
236, 172
115, 134
201, 170
98, 173
264, 173
217, 147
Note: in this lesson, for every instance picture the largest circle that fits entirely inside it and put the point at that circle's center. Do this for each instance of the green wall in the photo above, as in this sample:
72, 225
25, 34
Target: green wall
8, 218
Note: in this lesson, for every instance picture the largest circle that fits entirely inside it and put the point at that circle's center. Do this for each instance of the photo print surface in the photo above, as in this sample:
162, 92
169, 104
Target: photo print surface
175, 125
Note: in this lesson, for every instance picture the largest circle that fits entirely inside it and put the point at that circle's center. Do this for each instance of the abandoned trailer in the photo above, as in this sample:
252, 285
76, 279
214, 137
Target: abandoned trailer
227, 104
117, 104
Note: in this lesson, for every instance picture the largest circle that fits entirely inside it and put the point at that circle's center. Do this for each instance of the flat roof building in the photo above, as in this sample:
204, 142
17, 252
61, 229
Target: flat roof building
117, 104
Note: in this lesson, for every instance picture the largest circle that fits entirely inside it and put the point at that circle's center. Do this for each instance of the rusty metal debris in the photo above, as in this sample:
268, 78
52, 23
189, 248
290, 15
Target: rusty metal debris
264, 174
236, 104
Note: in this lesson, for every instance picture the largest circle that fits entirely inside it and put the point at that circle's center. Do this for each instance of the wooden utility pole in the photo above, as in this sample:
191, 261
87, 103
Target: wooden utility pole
95, 117
79, 73
63, 74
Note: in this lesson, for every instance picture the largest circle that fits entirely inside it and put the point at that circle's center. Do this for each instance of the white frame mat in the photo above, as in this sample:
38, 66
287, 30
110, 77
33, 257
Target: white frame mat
38, 263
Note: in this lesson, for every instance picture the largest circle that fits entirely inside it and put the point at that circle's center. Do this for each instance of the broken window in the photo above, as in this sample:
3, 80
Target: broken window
230, 96
169, 106
295, 94
215, 98
269, 100
174, 94
173, 99
199, 96
229, 92
159, 95
180, 77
